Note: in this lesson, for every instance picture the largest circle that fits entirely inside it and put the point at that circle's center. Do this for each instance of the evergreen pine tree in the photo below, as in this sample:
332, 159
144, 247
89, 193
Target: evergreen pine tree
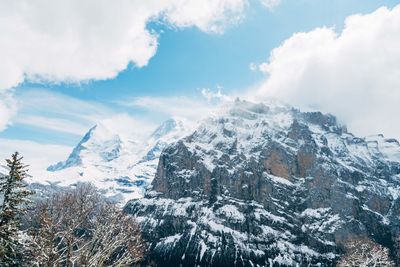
15, 199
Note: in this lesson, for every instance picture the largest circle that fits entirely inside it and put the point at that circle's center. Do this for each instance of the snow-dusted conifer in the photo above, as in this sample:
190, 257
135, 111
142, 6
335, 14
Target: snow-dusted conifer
15, 198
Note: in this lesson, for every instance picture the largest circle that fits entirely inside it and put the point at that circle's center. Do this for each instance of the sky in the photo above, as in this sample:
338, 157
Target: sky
69, 64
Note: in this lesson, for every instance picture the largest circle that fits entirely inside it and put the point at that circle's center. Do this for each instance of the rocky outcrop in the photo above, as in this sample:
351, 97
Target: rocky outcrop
270, 186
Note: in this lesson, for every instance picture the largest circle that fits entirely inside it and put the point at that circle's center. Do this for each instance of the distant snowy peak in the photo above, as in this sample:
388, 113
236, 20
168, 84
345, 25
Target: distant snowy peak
171, 129
121, 165
168, 132
98, 144
167, 127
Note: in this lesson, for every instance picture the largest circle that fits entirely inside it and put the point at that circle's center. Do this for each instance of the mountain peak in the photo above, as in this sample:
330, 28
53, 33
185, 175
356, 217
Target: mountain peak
165, 128
100, 142
121, 165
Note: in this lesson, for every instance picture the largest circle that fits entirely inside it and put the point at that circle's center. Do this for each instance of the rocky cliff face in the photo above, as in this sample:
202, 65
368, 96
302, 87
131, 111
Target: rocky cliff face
270, 186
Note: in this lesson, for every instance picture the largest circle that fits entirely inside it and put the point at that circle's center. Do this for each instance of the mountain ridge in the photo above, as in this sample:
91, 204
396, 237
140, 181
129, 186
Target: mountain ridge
269, 185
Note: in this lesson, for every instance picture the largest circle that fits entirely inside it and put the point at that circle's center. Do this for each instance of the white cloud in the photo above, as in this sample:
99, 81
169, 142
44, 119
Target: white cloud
73, 40
354, 74
8, 108
270, 4
194, 108
128, 126
253, 66
216, 95
207, 15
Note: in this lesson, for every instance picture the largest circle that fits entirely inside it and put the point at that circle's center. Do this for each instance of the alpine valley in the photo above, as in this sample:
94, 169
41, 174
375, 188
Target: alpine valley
258, 184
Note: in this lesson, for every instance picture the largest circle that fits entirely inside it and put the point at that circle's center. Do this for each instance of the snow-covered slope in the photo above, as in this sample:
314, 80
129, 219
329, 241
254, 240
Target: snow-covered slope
269, 185
120, 166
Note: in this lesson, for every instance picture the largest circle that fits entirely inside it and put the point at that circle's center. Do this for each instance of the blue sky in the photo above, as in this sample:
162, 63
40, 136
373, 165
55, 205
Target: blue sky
186, 60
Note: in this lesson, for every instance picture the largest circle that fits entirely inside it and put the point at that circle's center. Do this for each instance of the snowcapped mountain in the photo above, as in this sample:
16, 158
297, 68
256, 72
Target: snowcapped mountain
269, 185
120, 166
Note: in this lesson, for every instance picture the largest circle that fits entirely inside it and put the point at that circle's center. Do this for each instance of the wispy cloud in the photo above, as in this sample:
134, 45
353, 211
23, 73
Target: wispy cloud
64, 114
54, 124
178, 106
270, 4
40, 101
57, 112
192, 108
129, 126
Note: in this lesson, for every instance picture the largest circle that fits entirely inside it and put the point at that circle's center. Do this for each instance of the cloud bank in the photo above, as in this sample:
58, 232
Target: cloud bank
354, 74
